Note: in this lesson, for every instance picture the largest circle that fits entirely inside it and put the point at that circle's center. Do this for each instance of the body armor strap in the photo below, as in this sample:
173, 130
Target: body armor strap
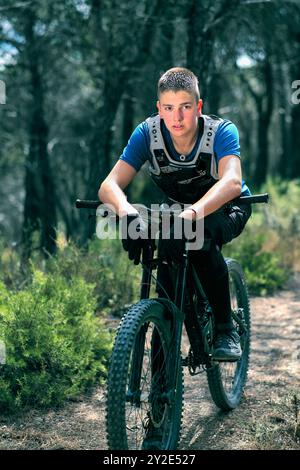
181, 180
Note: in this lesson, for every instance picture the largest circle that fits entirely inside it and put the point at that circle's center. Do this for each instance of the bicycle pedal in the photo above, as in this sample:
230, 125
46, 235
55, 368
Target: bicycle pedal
193, 370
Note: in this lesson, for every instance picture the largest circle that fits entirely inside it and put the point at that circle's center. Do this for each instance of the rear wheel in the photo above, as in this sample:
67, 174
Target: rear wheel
226, 380
143, 412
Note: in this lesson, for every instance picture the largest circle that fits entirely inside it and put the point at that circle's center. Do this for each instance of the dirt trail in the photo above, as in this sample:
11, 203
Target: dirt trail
266, 418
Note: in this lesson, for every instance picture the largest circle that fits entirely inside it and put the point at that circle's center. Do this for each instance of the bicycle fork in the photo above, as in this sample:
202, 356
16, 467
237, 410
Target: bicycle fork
174, 355
175, 310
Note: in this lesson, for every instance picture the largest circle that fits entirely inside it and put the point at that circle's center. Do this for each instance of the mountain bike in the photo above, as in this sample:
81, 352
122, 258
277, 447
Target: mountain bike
145, 379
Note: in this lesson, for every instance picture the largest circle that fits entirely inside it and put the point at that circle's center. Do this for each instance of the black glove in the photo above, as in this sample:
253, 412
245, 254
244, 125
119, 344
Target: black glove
171, 247
134, 236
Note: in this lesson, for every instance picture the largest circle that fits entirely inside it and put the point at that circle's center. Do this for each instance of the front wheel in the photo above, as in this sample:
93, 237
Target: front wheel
226, 380
143, 410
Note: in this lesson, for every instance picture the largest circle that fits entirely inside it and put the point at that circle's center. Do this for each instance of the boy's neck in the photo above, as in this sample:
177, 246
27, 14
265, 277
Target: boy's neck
183, 145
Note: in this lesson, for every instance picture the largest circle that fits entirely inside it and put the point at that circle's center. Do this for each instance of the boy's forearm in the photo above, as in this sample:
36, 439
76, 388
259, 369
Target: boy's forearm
111, 193
221, 193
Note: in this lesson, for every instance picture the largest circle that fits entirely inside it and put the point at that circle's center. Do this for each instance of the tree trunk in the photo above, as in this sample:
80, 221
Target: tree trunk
127, 125
200, 43
39, 207
284, 138
262, 160
264, 110
294, 167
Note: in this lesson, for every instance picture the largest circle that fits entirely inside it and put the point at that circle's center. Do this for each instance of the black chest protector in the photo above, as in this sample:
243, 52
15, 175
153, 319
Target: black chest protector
182, 181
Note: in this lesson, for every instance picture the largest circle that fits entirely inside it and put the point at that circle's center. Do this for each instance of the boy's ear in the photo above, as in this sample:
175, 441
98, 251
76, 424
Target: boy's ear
158, 106
199, 107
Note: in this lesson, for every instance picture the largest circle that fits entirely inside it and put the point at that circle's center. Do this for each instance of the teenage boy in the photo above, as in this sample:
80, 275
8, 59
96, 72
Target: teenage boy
195, 159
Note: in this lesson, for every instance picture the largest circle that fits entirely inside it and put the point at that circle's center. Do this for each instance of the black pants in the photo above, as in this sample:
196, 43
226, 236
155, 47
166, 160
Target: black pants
220, 228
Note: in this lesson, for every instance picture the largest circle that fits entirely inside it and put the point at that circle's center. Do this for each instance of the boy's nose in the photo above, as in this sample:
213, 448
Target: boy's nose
177, 115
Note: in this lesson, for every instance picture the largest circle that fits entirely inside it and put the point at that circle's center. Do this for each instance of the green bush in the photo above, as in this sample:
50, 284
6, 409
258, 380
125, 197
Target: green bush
281, 221
56, 347
269, 247
104, 264
263, 269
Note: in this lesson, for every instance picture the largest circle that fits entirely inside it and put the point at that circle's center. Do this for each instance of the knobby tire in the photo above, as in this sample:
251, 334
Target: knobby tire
226, 380
138, 401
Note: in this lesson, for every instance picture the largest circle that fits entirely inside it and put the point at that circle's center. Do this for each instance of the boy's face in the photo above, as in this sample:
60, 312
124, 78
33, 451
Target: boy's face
180, 111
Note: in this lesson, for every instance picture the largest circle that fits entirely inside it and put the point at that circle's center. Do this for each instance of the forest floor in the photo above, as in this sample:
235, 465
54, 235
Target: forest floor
267, 418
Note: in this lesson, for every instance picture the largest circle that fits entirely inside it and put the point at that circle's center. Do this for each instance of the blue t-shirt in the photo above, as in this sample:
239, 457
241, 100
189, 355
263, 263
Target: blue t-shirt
137, 151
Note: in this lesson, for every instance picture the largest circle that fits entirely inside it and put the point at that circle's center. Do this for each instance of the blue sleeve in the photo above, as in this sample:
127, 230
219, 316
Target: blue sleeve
137, 151
227, 143
226, 140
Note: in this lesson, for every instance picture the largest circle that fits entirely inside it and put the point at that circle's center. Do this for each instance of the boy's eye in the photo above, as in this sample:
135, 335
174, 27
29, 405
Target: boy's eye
184, 107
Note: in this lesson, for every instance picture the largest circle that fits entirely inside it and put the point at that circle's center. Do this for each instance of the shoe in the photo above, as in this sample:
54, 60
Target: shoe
153, 438
227, 347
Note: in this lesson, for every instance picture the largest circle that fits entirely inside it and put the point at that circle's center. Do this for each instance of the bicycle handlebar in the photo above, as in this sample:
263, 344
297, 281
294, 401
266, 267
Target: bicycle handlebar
255, 199
83, 204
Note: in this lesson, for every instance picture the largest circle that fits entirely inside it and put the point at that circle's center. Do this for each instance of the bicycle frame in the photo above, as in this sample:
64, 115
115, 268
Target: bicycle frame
146, 364
149, 263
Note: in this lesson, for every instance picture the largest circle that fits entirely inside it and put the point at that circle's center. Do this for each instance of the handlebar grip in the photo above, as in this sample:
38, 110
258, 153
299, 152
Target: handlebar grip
82, 204
257, 198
